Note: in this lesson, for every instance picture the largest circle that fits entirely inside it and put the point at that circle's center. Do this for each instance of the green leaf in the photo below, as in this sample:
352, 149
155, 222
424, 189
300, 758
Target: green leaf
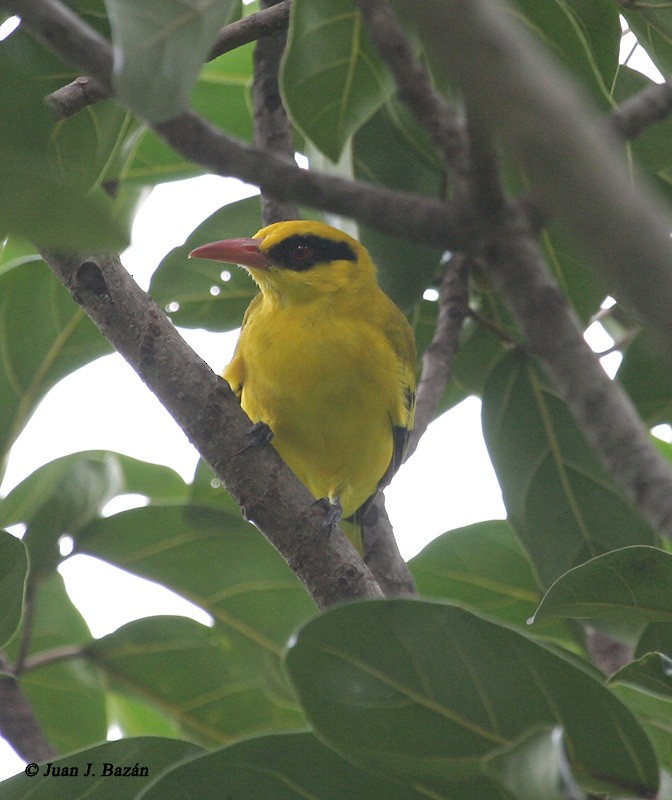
424, 692
160, 47
652, 673
206, 685
93, 477
535, 767
655, 715
482, 567
67, 493
40, 198
43, 337
136, 717
185, 287
633, 584
651, 21
583, 287
332, 77
392, 150
255, 598
66, 695
282, 767
584, 34
218, 561
645, 375
657, 637
560, 500
13, 572
152, 756
220, 96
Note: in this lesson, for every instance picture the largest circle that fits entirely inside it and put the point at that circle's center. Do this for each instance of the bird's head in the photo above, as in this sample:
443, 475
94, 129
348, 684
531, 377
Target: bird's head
297, 261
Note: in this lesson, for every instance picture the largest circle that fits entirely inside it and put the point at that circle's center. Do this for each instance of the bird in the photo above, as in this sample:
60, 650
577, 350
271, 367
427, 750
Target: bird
324, 364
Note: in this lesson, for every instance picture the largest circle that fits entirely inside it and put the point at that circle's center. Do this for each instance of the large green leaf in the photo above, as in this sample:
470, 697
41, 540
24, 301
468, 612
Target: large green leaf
651, 673
645, 375
535, 767
392, 150
287, 767
655, 715
584, 34
43, 337
657, 637
215, 559
332, 78
630, 584
42, 198
88, 778
484, 568
559, 498
66, 694
160, 47
221, 96
13, 571
206, 685
67, 493
207, 294
425, 692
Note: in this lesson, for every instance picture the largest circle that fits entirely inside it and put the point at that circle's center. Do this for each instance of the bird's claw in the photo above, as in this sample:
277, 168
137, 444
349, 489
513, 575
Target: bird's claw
259, 435
331, 518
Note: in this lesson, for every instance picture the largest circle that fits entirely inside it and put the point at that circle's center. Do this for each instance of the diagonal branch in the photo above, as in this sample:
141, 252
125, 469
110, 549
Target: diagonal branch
601, 408
437, 360
439, 119
18, 724
207, 411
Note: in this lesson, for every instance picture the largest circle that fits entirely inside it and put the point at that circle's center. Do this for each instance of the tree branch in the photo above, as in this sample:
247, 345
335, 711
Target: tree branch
437, 360
602, 410
644, 109
439, 119
18, 724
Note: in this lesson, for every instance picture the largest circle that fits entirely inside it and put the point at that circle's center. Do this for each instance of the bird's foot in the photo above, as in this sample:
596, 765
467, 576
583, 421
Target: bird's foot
332, 517
259, 435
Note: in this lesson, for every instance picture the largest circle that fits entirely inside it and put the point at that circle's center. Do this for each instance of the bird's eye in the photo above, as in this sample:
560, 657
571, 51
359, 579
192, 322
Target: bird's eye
302, 253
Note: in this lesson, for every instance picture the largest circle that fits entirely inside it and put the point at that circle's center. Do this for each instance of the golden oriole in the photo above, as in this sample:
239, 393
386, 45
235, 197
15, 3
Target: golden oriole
324, 358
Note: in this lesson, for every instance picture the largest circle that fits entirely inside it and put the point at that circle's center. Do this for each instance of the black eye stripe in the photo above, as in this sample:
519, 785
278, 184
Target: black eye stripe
303, 251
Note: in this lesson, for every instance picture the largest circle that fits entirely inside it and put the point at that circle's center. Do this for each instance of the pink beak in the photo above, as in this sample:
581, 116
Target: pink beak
245, 252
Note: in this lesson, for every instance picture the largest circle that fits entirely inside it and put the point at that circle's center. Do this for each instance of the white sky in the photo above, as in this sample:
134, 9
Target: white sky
448, 482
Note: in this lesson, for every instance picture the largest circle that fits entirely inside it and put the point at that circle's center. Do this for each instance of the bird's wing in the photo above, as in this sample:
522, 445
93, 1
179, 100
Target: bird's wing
400, 336
234, 372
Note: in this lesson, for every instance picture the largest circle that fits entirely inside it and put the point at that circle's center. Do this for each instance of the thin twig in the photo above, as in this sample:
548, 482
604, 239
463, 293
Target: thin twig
47, 657
646, 108
437, 359
438, 117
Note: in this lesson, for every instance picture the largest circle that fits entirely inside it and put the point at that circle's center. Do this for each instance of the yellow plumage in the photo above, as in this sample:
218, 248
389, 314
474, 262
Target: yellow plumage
324, 358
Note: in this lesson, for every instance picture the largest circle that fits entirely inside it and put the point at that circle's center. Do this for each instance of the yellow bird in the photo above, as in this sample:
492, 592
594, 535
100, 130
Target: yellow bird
325, 359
